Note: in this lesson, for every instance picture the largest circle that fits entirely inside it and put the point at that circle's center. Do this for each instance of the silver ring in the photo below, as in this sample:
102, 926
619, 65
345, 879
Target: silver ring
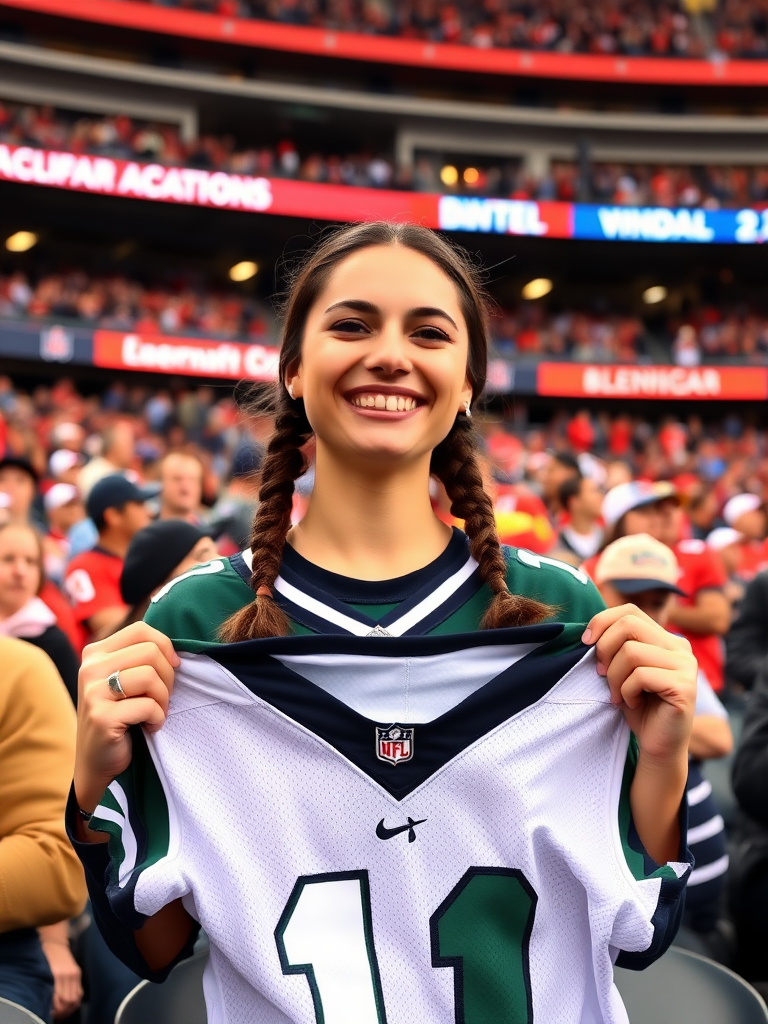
115, 687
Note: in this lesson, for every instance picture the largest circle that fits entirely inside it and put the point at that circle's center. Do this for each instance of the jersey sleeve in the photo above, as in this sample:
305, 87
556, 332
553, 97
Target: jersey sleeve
569, 592
137, 872
709, 572
191, 608
659, 889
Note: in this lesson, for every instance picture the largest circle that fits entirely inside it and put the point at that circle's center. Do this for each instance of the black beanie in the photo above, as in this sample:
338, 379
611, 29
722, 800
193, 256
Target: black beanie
153, 554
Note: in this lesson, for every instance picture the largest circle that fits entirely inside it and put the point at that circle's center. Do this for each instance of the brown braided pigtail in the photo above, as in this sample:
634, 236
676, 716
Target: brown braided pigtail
283, 463
455, 462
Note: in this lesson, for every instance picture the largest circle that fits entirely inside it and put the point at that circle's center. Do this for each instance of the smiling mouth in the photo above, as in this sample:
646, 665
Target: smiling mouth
384, 403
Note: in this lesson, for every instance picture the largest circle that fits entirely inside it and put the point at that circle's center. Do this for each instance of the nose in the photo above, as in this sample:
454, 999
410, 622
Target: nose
389, 352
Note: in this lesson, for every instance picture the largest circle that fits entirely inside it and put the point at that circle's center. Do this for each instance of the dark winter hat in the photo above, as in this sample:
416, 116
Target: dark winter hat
153, 554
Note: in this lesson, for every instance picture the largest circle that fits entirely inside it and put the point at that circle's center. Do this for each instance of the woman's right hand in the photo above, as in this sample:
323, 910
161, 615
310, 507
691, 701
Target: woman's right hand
146, 661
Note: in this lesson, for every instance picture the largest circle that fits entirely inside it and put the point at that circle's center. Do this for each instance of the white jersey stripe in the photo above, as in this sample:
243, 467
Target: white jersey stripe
706, 830
709, 871
399, 627
433, 601
311, 604
699, 793
128, 838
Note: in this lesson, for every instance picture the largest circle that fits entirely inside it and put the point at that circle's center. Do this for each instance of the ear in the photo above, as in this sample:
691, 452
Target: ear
293, 380
465, 397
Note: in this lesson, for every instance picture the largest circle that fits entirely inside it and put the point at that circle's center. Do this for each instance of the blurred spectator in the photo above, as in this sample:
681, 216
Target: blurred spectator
43, 881
685, 350
181, 477
703, 508
644, 571
63, 508
747, 514
18, 479
559, 467
118, 510
703, 614
117, 457
727, 543
158, 554
64, 466
22, 613
747, 641
232, 516
581, 535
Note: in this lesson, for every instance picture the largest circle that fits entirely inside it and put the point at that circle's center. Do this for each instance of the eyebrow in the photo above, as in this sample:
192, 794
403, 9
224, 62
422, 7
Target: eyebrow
362, 306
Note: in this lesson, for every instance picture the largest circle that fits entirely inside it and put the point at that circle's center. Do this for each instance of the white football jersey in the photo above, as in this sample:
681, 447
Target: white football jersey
377, 830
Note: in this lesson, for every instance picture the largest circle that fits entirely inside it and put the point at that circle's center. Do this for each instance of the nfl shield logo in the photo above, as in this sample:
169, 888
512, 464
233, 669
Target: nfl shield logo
394, 743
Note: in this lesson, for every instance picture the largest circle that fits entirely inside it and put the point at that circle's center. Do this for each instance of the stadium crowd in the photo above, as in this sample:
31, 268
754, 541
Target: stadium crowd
659, 28
104, 498
704, 334
121, 137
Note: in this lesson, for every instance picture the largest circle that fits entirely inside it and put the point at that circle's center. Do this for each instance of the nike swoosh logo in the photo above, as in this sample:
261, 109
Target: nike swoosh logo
383, 832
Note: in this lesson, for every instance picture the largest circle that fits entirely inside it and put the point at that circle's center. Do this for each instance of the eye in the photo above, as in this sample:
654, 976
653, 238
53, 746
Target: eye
430, 333
350, 326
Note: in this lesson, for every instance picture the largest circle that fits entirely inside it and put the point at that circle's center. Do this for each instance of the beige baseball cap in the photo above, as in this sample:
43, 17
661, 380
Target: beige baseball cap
637, 563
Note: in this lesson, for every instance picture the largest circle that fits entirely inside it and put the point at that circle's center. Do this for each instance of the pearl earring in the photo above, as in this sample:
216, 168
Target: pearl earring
289, 389
467, 410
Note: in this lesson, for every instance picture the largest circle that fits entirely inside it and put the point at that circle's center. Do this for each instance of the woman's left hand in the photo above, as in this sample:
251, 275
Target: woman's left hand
651, 674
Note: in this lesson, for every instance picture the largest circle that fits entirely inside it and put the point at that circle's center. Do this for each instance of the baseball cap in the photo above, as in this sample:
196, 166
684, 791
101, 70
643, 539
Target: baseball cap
153, 554
246, 460
722, 536
637, 563
113, 491
58, 495
20, 463
734, 507
62, 460
624, 497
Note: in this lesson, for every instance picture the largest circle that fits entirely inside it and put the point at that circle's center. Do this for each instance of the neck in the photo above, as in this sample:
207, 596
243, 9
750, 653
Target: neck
582, 524
369, 523
114, 543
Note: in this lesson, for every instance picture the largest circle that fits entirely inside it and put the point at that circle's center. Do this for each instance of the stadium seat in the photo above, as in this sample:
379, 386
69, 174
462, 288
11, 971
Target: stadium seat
179, 1000
685, 988
12, 1013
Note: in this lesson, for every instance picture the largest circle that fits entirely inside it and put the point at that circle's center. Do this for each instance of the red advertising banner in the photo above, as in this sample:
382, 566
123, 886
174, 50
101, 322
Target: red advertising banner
413, 52
104, 176
195, 357
571, 380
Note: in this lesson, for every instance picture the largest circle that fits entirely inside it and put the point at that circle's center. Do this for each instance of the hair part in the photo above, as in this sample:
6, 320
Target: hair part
455, 461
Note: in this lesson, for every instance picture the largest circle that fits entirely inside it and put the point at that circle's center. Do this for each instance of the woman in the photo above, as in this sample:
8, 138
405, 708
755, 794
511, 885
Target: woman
384, 350
22, 612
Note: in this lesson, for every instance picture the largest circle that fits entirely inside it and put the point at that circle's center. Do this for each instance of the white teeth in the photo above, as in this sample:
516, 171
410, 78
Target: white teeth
392, 403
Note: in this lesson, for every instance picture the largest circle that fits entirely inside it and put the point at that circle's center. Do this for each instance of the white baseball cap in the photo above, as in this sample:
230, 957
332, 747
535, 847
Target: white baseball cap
722, 537
638, 563
60, 494
62, 460
624, 497
736, 506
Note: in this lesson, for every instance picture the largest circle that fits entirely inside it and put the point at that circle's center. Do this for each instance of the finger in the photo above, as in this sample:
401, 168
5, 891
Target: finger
140, 682
116, 716
632, 655
664, 683
136, 633
635, 627
129, 657
600, 622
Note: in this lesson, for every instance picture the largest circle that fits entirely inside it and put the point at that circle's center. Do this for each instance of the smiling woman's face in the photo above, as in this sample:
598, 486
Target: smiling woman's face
383, 369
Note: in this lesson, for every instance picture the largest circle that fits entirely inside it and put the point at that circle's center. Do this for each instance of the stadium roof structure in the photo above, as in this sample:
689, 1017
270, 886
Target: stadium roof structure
408, 52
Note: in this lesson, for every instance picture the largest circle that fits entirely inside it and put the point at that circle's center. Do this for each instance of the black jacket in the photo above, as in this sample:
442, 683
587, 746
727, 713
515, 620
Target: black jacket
749, 778
62, 654
747, 640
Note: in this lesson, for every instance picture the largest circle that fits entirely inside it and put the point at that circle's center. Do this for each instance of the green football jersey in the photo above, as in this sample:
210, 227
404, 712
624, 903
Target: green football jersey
445, 597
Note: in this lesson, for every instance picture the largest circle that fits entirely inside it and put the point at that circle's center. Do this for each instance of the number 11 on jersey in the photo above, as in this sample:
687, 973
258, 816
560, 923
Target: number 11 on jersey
482, 930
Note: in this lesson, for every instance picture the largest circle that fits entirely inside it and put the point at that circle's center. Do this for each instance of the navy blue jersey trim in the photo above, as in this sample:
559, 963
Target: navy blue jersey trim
436, 742
352, 591
238, 564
